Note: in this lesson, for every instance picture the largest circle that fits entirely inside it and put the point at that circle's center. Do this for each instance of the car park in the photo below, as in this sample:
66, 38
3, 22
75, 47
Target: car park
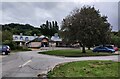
103, 49
4, 49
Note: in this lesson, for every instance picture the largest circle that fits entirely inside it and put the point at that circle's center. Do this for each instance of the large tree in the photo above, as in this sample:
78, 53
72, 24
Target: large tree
50, 28
87, 27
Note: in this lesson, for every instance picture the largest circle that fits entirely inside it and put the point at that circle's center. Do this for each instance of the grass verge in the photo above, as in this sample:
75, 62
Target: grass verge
74, 53
86, 69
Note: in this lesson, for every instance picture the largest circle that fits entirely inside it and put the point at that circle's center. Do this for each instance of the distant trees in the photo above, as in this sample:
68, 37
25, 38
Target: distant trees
26, 29
49, 28
87, 27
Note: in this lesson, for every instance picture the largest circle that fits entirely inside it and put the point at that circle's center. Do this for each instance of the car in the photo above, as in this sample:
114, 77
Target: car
4, 49
112, 47
103, 49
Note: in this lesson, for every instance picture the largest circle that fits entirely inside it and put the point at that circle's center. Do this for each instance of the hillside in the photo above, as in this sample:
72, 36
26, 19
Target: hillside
26, 29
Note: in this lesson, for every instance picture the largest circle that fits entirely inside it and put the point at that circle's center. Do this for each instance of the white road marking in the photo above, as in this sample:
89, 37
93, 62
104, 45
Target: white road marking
25, 63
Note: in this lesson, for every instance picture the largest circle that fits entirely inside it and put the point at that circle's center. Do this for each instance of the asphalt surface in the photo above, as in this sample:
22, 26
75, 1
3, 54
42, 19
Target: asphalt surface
30, 63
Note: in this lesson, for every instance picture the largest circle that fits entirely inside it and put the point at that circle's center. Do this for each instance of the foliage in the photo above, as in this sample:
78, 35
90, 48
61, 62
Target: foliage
115, 40
7, 39
12, 44
90, 69
50, 28
87, 27
6, 35
21, 28
118, 34
22, 48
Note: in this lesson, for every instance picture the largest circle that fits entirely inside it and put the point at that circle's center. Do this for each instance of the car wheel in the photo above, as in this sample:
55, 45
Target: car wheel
3, 53
6, 53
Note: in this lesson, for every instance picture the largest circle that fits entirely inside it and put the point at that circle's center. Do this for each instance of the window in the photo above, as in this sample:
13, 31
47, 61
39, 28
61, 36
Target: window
21, 38
16, 37
26, 39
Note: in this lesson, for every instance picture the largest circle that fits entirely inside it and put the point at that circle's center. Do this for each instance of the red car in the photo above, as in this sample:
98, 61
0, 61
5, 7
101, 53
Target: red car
112, 47
116, 48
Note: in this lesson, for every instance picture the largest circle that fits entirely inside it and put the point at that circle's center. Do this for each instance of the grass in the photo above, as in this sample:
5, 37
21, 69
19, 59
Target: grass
22, 49
74, 53
86, 69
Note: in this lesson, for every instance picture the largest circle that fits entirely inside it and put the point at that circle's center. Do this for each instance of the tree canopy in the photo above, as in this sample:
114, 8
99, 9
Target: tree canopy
87, 26
49, 28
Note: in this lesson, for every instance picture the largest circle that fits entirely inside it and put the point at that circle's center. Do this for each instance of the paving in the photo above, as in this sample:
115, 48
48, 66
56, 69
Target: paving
30, 63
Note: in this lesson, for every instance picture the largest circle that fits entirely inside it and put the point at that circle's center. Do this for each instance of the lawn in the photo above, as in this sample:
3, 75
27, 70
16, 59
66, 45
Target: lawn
86, 69
74, 53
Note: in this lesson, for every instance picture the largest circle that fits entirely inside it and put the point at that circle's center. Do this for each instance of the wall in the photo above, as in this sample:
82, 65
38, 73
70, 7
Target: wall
34, 44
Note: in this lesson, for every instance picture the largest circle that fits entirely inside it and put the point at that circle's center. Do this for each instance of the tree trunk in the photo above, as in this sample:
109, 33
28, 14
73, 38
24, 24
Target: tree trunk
83, 49
88, 48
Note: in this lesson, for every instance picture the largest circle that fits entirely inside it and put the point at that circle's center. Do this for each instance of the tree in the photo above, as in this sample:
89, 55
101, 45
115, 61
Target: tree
56, 25
86, 26
6, 35
118, 33
50, 28
115, 38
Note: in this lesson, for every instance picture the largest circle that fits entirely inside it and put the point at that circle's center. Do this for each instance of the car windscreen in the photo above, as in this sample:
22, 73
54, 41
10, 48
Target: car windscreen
110, 47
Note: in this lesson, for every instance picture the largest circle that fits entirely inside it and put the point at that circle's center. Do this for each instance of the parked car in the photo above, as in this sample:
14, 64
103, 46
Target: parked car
4, 49
112, 47
103, 49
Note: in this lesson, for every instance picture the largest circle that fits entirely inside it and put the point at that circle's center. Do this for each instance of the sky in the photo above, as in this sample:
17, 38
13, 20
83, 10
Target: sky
36, 12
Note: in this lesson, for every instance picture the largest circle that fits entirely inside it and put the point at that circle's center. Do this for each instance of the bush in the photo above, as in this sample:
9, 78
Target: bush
116, 40
19, 48
14, 46
26, 49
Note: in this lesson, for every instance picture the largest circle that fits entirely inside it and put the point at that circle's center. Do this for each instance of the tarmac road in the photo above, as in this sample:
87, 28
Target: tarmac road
30, 63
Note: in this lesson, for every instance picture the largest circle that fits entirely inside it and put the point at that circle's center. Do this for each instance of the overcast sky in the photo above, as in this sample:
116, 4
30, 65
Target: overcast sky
36, 13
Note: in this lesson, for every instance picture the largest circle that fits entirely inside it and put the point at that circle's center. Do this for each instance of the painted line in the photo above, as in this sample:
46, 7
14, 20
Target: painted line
25, 63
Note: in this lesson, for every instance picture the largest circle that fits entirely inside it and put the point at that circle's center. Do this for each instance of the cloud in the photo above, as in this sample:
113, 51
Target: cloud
36, 13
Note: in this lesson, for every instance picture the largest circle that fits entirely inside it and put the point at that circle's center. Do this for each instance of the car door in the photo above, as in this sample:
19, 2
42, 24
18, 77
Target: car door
103, 49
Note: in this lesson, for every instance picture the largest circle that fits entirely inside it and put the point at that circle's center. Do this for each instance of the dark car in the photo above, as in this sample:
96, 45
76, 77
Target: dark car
4, 49
103, 49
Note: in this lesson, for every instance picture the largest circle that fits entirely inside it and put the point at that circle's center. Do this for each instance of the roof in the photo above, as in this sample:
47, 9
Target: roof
38, 39
23, 38
56, 38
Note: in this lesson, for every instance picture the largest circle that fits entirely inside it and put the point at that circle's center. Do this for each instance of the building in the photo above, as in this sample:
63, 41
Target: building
41, 41
22, 39
56, 40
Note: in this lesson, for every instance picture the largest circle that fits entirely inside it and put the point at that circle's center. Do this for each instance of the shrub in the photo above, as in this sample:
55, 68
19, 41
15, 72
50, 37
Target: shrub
14, 46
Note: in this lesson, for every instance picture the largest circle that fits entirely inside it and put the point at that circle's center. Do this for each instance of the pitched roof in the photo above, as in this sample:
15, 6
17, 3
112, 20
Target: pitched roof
23, 38
38, 39
56, 38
